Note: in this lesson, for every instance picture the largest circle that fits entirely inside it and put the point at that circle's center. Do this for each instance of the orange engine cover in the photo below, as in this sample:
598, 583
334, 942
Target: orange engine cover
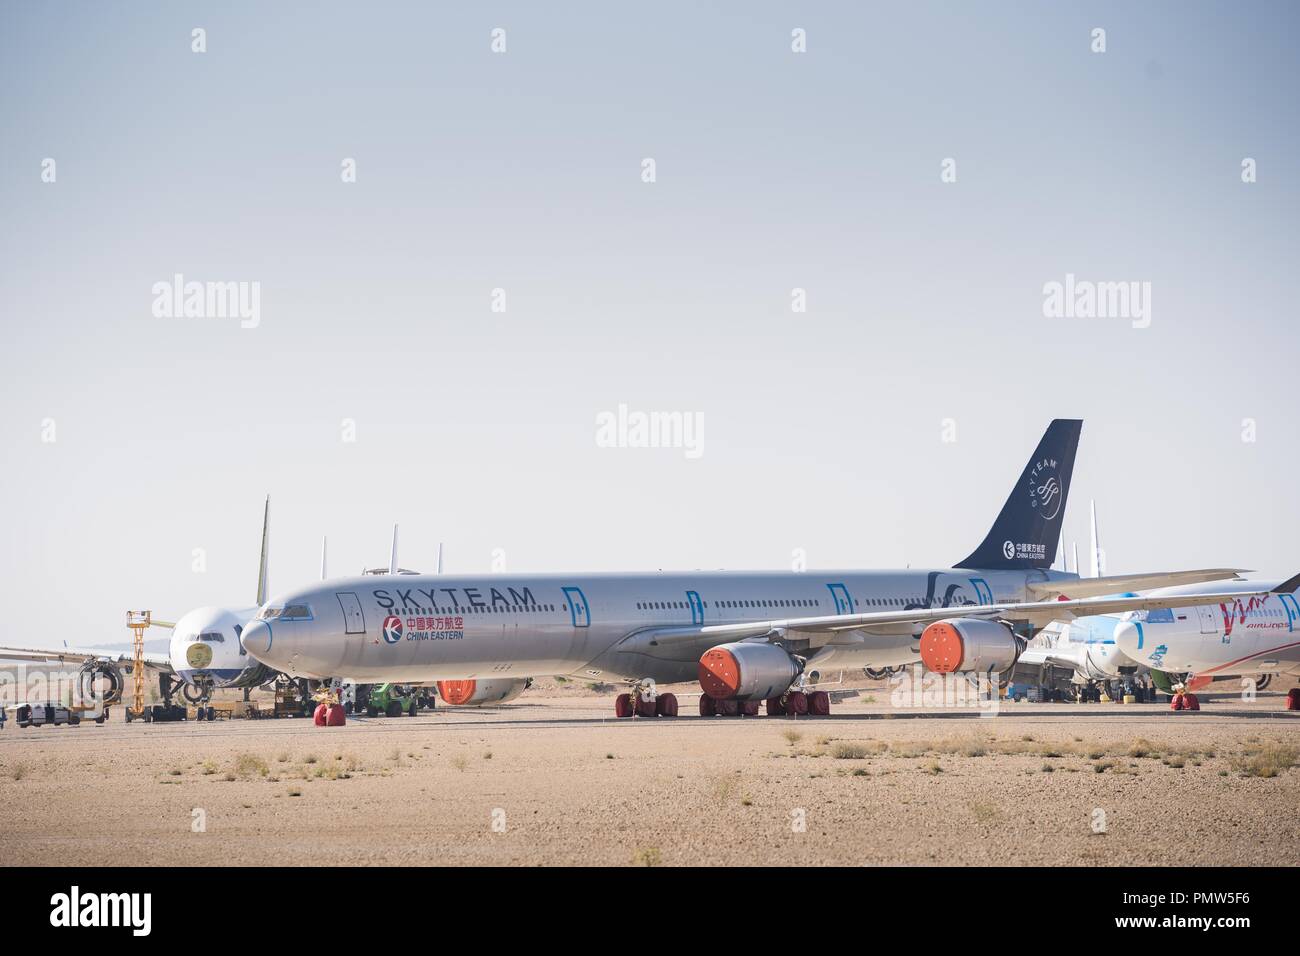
746, 671
457, 691
489, 690
969, 644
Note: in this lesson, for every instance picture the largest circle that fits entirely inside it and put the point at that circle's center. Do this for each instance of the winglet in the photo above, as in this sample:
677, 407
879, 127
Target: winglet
1288, 586
261, 568
392, 561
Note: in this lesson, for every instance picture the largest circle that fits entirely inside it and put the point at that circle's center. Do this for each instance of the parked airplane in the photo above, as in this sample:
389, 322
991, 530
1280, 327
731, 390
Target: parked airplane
205, 652
1084, 648
1238, 636
747, 637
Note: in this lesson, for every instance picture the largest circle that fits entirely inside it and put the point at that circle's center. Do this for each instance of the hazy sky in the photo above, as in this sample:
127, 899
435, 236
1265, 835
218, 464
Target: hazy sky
523, 171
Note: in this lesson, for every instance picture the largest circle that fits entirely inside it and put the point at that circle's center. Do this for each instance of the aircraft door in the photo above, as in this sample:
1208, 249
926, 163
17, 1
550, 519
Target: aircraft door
578, 608
843, 603
982, 590
1209, 620
1291, 608
354, 621
697, 607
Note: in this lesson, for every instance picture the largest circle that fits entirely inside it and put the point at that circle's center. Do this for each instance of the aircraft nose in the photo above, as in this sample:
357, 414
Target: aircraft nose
1129, 638
257, 639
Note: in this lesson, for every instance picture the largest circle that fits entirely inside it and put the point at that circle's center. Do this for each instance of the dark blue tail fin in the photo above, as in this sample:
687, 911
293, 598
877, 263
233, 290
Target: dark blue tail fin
1026, 532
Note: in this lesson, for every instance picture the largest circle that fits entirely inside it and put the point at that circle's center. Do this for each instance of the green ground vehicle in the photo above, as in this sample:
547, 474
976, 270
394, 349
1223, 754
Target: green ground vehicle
392, 700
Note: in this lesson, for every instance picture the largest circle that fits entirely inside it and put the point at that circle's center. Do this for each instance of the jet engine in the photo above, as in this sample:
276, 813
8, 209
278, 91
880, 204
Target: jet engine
91, 689
475, 693
747, 671
963, 644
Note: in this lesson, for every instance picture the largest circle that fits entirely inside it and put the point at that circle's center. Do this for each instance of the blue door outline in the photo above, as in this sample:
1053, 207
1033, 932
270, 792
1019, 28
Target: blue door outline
697, 607
1292, 609
840, 594
982, 590
579, 610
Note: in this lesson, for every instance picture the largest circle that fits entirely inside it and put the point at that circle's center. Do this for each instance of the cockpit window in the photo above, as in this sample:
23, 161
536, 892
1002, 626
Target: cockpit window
215, 637
300, 612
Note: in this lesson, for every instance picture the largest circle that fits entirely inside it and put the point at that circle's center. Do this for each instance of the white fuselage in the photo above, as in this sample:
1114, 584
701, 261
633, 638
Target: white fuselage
1088, 643
1217, 640
205, 648
424, 627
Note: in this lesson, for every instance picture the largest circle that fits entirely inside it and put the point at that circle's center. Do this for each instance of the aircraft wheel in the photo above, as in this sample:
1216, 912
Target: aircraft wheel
774, 707
727, 708
708, 706
749, 708
796, 703
623, 706
644, 708
666, 705
819, 703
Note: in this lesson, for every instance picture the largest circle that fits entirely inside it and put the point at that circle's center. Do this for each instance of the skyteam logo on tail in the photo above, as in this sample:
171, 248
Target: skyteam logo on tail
392, 629
1045, 490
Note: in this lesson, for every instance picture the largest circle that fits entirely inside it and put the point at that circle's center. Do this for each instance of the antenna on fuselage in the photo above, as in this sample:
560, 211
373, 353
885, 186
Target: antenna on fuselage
392, 561
440, 557
322, 557
1075, 547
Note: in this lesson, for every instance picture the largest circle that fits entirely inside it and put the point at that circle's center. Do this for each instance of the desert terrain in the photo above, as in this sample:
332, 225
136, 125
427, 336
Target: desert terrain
553, 778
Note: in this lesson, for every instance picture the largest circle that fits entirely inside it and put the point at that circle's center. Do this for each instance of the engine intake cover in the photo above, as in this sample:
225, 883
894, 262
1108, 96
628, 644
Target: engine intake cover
969, 644
473, 693
747, 671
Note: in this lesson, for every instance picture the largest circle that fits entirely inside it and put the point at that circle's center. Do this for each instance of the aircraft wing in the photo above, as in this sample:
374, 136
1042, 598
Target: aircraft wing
1119, 583
79, 655
822, 628
1034, 656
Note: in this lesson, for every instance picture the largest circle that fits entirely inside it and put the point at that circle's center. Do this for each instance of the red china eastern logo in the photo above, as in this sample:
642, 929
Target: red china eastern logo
392, 629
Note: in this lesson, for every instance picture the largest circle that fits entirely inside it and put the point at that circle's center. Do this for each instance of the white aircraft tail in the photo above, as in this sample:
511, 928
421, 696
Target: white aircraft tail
1098, 559
266, 542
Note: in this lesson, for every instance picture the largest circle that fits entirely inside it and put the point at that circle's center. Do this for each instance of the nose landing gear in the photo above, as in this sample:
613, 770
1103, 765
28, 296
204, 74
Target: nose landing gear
200, 695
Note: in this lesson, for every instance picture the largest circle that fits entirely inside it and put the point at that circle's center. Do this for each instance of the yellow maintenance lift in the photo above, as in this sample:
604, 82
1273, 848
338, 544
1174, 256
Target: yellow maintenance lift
138, 622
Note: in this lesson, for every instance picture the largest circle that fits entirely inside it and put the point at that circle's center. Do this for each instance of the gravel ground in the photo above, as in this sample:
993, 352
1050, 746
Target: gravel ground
556, 780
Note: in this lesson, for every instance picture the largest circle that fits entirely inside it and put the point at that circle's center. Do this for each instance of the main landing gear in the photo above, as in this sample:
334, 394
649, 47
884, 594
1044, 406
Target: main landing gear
793, 703
797, 703
645, 701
